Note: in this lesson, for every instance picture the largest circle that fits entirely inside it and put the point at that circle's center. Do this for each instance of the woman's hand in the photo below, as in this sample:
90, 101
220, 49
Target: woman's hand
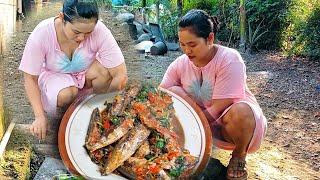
39, 127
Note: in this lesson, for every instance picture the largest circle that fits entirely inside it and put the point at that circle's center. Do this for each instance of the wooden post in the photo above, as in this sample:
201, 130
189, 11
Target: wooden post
2, 120
19, 6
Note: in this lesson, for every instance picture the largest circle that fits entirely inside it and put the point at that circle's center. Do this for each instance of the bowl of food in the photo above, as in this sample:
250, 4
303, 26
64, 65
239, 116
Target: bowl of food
140, 133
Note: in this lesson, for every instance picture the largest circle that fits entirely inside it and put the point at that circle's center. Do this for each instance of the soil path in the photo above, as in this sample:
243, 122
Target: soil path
285, 88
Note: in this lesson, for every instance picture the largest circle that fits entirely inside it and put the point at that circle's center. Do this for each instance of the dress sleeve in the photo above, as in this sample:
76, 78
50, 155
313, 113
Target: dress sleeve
172, 76
108, 52
230, 79
33, 56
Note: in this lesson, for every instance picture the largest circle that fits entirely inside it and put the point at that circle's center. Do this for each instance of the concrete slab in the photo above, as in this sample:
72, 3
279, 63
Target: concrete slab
49, 168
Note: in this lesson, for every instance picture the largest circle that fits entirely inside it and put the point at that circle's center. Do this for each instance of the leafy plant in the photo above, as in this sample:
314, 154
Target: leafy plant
254, 36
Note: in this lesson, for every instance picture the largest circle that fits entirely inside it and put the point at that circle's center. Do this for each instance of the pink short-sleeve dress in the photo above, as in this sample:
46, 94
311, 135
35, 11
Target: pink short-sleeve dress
43, 57
223, 77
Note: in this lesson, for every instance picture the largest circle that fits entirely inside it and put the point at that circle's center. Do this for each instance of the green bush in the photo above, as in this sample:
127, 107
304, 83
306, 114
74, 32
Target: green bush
301, 35
310, 37
272, 14
206, 5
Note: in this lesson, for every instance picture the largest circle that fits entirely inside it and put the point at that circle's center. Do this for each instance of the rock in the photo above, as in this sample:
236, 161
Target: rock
139, 27
144, 37
287, 145
125, 17
49, 168
286, 117
173, 46
144, 46
159, 48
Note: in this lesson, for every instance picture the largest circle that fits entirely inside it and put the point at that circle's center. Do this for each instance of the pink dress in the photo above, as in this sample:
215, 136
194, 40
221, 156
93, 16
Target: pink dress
223, 77
43, 57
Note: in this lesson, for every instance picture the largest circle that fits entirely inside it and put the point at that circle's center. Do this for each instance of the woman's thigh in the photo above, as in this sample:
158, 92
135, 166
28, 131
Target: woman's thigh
50, 85
224, 141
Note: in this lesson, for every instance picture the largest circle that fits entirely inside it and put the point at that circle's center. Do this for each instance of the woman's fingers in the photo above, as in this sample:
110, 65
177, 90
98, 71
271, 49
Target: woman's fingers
38, 131
43, 133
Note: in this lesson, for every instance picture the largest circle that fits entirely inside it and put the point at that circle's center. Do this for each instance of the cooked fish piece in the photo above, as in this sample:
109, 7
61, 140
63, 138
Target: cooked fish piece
93, 133
143, 150
113, 136
126, 148
150, 121
122, 101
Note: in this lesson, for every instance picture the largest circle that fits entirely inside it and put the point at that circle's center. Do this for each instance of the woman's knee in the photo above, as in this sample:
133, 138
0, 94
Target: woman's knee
240, 114
98, 77
66, 96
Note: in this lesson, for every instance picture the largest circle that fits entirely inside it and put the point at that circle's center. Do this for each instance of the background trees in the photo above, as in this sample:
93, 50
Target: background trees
291, 26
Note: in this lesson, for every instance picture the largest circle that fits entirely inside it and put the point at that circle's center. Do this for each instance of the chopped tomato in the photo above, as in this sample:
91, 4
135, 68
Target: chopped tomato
167, 99
154, 169
128, 123
139, 107
173, 154
106, 124
151, 97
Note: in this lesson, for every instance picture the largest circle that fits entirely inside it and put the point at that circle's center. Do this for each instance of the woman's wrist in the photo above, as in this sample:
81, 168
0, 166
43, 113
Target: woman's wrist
40, 116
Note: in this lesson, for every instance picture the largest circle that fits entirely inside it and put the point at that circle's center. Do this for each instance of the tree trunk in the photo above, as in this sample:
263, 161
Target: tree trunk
157, 12
179, 7
242, 25
144, 4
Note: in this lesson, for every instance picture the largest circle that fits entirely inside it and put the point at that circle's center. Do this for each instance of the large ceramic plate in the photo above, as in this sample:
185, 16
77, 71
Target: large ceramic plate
73, 130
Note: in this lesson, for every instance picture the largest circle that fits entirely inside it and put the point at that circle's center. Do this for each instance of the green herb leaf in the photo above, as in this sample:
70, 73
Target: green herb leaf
160, 143
115, 120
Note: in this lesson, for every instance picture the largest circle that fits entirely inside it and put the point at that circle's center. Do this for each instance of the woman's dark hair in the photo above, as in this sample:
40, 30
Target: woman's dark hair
200, 23
77, 9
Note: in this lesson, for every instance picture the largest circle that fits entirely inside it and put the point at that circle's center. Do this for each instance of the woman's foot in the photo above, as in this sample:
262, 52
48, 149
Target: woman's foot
236, 169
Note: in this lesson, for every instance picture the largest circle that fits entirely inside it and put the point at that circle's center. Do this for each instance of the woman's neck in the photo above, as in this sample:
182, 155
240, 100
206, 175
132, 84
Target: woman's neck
59, 31
209, 56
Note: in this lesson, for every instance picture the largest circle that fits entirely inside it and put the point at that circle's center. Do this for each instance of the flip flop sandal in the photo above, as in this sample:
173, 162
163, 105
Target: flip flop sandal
237, 164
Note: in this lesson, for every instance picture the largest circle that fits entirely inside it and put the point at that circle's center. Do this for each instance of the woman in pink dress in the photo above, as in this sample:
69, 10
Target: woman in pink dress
214, 77
66, 54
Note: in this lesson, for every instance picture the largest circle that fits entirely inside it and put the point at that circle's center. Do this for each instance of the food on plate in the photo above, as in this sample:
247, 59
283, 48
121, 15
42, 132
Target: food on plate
135, 134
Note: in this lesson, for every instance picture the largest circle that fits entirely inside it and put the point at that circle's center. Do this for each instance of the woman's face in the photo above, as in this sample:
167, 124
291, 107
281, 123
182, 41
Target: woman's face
79, 30
196, 48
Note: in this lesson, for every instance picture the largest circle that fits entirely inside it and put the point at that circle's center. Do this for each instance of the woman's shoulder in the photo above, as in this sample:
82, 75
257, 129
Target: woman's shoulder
228, 51
45, 24
228, 55
181, 60
101, 28
42, 30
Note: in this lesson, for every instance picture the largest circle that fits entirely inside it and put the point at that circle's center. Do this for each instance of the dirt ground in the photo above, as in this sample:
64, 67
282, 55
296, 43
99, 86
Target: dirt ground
286, 88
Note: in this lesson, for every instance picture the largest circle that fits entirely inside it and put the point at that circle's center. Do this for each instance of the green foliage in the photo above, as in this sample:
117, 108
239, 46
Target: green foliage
311, 35
107, 4
228, 15
301, 35
272, 13
206, 5
254, 36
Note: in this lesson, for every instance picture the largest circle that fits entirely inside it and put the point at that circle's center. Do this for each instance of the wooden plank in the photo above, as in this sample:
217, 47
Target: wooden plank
6, 138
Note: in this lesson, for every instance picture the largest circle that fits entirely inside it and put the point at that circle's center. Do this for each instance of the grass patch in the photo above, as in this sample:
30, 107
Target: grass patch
16, 160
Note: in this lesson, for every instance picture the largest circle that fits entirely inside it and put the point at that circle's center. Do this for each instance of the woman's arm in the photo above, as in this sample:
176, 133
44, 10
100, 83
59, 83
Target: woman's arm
212, 112
119, 78
216, 109
39, 126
